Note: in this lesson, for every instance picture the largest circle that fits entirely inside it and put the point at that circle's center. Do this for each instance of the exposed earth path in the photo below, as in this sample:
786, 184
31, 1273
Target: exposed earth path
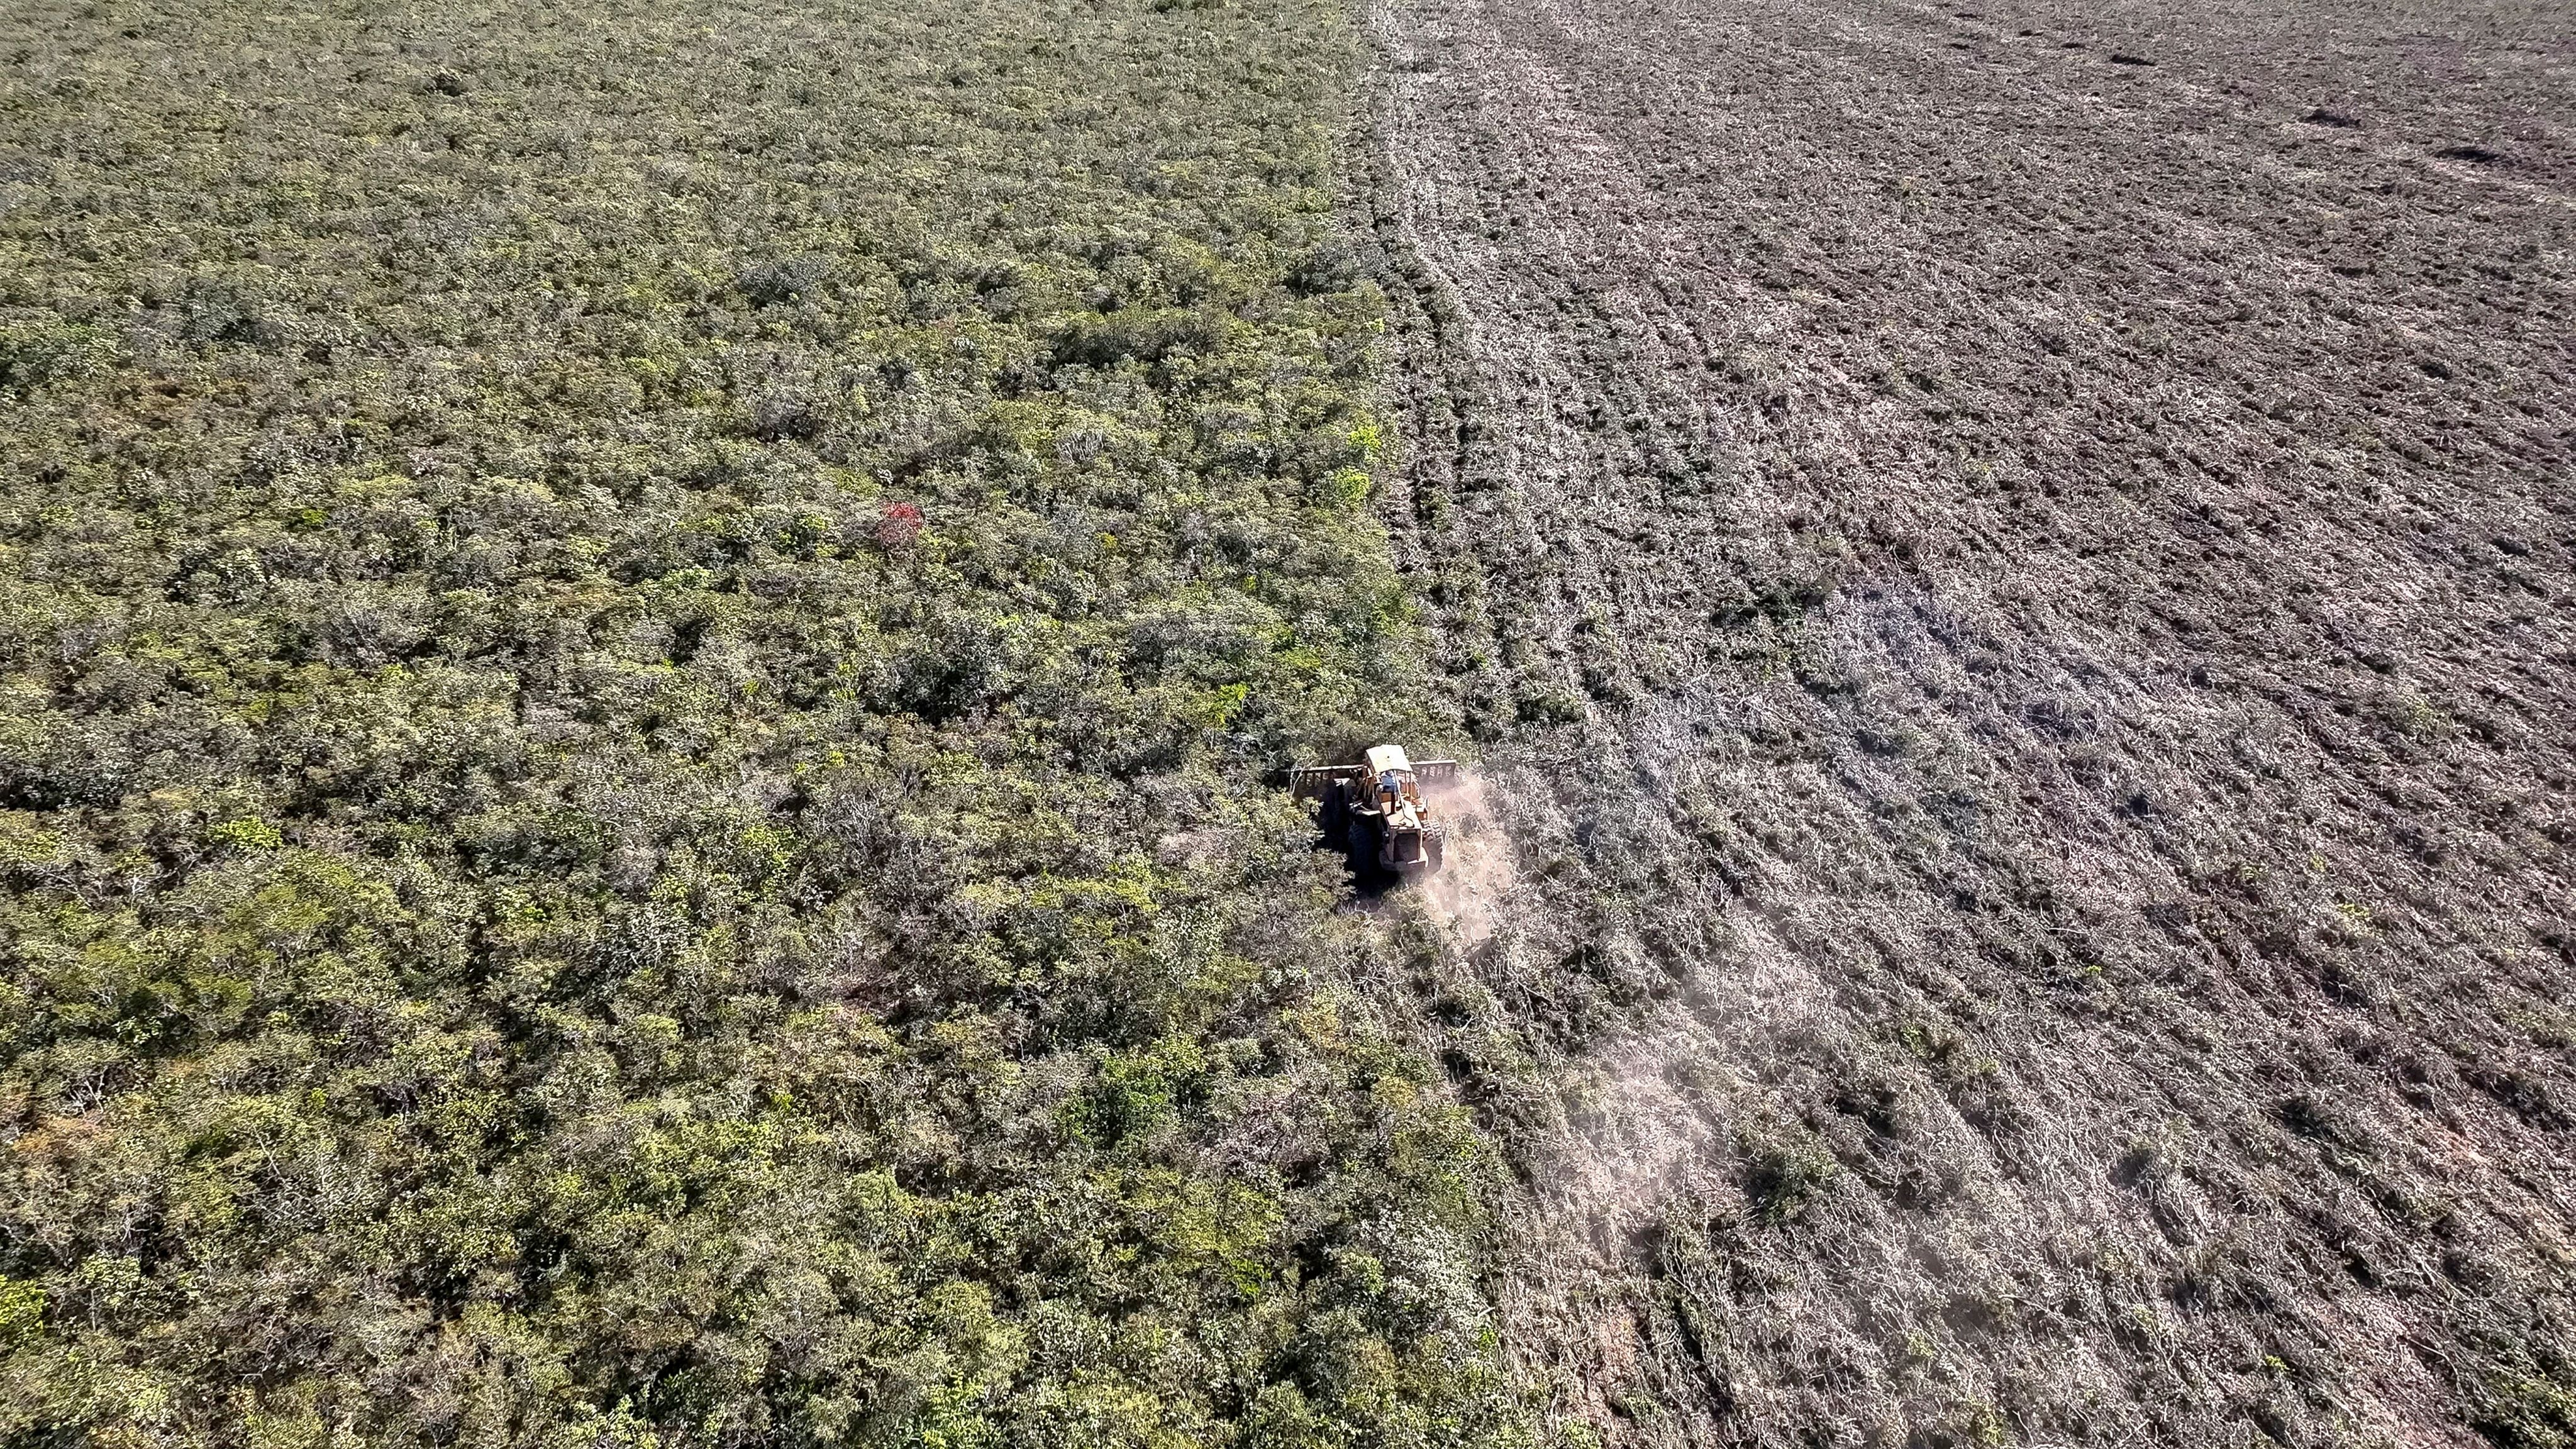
2013, 565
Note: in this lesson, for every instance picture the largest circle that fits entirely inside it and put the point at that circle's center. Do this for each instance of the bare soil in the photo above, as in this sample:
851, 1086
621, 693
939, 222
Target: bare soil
2012, 570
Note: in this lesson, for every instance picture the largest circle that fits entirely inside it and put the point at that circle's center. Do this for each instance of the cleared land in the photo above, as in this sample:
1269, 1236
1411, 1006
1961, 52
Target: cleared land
2015, 563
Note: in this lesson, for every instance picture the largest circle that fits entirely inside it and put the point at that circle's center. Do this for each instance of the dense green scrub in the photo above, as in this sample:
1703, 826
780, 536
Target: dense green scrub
641, 649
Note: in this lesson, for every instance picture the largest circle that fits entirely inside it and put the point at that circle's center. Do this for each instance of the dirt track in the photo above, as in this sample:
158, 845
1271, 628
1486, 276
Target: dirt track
2054, 523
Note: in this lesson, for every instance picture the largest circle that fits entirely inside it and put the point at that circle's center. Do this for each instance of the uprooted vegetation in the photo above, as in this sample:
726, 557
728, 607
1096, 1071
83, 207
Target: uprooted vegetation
641, 645
2019, 609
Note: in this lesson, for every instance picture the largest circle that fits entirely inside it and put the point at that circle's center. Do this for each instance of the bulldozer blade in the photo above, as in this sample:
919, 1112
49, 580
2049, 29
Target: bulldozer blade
1435, 772
1306, 782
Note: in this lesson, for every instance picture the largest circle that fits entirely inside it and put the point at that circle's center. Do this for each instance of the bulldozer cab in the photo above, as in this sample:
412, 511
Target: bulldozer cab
1394, 776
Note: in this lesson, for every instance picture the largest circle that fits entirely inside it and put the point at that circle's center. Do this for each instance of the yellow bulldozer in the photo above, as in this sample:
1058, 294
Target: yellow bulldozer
1375, 808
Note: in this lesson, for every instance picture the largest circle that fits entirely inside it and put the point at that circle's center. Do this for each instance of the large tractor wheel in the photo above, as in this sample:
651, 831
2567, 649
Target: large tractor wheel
1336, 813
1363, 847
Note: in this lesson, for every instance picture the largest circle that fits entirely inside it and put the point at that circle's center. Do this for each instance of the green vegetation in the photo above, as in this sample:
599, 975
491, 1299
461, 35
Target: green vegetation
642, 647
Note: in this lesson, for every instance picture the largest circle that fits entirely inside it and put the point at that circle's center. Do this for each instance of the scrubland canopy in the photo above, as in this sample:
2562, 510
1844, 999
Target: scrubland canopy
639, 643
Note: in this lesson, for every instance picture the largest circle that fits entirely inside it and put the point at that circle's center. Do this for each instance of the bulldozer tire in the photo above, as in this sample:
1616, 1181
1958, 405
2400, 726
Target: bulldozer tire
1434, 851
1363, 847
1336, 812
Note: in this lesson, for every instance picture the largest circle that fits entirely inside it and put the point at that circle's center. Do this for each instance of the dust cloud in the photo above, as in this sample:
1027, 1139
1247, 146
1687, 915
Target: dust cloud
1468, 892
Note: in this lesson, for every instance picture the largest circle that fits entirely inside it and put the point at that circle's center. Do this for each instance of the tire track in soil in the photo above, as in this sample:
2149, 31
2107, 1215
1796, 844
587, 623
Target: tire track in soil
2017, 604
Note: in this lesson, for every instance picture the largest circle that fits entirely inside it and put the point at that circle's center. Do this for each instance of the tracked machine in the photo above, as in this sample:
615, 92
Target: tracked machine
1375, 808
